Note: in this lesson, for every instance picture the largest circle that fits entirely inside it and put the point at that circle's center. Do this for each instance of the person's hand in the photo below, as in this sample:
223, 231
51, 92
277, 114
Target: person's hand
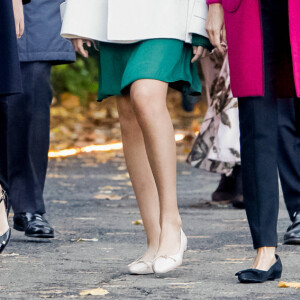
78, 46
199, 52
19, 17
215, 27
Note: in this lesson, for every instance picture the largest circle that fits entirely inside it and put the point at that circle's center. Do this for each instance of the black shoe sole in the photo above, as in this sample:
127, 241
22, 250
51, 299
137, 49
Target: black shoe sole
40, 236
292, 241
255, 281
238, 205
271, 278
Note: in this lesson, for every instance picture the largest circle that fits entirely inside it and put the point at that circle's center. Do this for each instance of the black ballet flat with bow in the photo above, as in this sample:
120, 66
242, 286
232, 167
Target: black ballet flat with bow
4, 239
259, 276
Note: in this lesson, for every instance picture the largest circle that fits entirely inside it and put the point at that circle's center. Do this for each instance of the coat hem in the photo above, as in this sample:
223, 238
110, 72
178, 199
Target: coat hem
57, 57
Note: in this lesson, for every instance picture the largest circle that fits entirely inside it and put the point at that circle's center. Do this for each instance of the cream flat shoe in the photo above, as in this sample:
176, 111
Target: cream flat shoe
141, 267
167, 263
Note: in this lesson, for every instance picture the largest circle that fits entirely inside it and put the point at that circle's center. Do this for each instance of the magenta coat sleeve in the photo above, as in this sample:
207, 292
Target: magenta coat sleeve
213, 1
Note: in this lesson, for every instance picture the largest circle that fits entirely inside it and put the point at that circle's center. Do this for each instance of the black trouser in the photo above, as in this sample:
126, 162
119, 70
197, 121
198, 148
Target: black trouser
269, 137
27, 142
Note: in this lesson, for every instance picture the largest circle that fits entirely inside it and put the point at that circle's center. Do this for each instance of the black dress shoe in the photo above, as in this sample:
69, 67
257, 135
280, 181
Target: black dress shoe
259, 276
34, 225
230, 189
225, 191
292, 236
4, 239
238, 200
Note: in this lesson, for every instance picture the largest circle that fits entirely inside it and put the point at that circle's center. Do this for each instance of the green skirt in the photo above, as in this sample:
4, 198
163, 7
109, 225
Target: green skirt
167, 60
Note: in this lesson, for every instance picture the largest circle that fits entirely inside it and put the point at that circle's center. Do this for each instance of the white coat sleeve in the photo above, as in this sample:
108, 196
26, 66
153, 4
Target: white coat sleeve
198, 16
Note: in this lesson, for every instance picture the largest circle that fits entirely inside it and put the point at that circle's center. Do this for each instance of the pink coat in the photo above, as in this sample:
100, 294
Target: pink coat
245, 44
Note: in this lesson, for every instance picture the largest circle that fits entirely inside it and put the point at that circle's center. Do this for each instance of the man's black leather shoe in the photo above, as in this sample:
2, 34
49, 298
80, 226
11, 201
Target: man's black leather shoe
34, 225
292, 236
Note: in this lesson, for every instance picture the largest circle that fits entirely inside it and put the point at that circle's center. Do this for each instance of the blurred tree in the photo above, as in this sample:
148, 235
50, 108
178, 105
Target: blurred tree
79, 78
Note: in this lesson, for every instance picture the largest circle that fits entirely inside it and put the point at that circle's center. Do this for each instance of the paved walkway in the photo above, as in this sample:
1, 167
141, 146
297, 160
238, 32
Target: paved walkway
95, 240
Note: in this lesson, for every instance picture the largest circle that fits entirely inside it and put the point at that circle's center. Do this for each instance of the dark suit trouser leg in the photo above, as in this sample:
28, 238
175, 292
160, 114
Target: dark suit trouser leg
28, 138
3, 144
259, 124
289, 154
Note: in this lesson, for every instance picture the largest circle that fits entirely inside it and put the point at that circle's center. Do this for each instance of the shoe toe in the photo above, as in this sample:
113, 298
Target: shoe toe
164, 265
252, 276
292, 235
39, 231
244, 277
140, 268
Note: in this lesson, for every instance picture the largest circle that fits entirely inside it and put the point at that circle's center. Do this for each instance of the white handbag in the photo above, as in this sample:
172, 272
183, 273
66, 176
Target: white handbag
129, 21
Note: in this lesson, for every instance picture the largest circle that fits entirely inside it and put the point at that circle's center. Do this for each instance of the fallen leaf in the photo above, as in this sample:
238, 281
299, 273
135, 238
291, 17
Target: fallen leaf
120, 177
94, 292
84, 240
56, 175
60, 201
106, 196
138, 222
10, 254
283, 284
108, 187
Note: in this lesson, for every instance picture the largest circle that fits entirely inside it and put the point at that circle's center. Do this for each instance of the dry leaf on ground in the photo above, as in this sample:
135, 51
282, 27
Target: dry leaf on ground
120, 177
9, 254
108, 187
109, 197
138, 222
283, 284
94, 292
84, 240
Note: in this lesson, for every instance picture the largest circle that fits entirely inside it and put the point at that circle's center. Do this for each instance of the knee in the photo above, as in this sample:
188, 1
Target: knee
146, 103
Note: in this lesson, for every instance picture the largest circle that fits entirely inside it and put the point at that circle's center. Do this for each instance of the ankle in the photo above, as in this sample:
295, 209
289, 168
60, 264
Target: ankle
266, 252
265, 258
152, 246
170, 223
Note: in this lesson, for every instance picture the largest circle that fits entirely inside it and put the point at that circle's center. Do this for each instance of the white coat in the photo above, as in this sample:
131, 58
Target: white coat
129, 21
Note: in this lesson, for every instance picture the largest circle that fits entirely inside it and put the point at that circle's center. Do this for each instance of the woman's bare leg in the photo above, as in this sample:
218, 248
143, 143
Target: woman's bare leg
149, 102
3, 217
140, 174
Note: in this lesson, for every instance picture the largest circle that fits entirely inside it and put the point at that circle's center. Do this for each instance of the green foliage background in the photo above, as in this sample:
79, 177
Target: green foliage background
79, 78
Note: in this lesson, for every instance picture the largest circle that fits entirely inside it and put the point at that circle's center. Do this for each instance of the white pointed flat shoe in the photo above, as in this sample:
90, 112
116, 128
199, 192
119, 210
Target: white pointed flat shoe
141, 267
167, 263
